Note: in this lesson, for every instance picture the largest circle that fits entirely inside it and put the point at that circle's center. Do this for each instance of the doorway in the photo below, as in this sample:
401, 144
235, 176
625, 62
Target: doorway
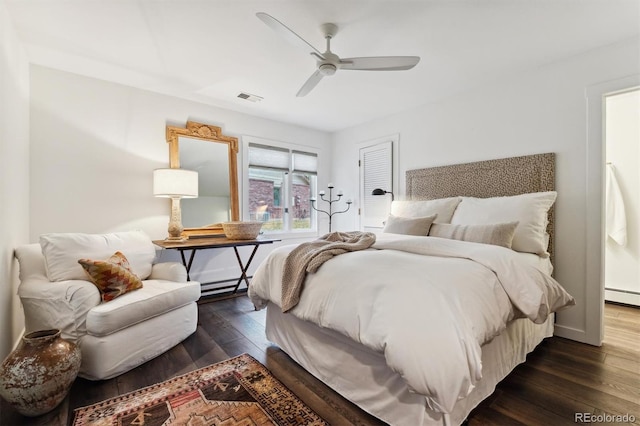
622, 197
593, 331
378, 168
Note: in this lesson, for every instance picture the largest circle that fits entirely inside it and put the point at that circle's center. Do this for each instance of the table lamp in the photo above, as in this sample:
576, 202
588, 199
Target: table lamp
175, 184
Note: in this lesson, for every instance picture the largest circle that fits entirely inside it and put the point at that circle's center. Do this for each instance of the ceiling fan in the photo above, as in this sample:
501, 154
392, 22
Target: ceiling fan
328, 62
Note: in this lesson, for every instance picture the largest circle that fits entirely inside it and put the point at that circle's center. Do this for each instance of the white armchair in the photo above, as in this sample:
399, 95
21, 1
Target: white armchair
113, 336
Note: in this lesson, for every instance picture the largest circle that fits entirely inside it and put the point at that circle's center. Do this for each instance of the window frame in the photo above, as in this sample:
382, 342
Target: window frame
288, 231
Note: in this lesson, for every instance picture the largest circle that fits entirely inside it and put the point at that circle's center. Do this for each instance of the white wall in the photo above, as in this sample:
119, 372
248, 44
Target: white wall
541, 110
622, 263
94, 145
14, 176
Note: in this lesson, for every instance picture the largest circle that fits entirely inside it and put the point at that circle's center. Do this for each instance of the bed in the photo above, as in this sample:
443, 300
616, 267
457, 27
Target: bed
418, 330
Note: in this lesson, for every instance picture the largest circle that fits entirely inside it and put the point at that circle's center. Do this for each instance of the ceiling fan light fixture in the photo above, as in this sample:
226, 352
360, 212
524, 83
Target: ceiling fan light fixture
327, 69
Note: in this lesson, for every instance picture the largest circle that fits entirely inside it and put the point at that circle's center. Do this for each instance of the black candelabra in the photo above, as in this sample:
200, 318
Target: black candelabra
330, 200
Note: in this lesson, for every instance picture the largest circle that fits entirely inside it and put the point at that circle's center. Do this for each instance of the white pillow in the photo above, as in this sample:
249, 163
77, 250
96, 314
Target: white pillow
529, 210
63, 250
408, 225
442, 207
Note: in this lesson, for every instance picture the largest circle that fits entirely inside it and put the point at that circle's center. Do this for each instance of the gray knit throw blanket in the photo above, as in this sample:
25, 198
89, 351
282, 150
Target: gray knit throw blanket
308, 257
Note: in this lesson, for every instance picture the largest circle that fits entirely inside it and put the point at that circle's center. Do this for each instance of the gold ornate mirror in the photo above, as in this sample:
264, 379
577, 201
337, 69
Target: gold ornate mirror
203, 148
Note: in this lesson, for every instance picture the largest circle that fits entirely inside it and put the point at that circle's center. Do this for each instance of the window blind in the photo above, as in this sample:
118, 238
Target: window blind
305, 162
268, 157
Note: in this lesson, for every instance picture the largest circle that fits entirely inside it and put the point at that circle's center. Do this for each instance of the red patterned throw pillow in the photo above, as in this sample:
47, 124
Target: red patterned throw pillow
113, 276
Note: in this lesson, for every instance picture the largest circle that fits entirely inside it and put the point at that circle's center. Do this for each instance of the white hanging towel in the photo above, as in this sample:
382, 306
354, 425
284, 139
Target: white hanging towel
616, 218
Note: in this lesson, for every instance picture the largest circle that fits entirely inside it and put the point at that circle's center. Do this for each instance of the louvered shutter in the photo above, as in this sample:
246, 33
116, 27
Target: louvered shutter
376, 171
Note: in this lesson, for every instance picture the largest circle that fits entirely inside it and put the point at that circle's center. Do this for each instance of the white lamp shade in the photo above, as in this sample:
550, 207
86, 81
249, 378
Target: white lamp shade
176, 183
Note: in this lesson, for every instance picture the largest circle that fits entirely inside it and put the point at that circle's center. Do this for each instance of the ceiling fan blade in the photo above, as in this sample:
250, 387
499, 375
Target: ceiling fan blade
287, 33
380, 63
310, 83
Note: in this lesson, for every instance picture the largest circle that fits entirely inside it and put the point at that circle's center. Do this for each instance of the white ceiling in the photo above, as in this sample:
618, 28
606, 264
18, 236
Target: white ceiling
212, 50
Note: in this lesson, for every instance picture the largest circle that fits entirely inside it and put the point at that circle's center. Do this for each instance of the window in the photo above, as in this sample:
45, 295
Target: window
280, 181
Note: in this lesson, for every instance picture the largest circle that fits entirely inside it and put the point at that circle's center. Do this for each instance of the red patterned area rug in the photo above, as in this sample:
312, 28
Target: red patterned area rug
238, 391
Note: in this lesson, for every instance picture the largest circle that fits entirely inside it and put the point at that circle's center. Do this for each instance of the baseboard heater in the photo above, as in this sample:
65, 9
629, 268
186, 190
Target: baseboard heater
215, 288
618, 295
623, 291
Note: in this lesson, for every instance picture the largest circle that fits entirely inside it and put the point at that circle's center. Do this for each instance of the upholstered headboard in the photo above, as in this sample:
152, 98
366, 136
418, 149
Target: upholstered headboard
483, 179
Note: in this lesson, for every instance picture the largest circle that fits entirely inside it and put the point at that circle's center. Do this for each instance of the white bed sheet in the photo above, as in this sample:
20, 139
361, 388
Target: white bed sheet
363, 377
461, 294
542, 263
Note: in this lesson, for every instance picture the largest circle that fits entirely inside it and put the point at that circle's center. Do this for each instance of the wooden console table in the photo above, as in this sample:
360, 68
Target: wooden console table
196, 244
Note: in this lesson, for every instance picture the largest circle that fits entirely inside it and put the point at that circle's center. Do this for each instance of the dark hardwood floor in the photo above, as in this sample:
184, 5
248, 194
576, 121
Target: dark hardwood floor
562, 377
559, 379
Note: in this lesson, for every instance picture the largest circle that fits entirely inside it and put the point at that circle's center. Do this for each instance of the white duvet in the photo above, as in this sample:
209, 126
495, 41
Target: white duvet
428, 304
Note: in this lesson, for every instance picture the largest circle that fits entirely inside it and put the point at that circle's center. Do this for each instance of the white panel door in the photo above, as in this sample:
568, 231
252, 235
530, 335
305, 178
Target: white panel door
376, 171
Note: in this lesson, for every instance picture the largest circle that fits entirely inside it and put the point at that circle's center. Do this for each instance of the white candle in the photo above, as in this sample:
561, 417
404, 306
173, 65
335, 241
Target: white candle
349, 201
340, 193
330, 185
321, 192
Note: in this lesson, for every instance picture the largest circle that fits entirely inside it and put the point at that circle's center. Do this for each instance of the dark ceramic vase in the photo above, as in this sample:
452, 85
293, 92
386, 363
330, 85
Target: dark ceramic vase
38, 374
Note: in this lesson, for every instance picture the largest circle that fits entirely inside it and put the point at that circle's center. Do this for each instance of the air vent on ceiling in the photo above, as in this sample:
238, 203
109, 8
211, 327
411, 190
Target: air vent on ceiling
250, 97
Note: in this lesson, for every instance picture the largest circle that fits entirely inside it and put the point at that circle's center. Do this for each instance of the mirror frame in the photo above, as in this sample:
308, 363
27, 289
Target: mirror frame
208, 133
